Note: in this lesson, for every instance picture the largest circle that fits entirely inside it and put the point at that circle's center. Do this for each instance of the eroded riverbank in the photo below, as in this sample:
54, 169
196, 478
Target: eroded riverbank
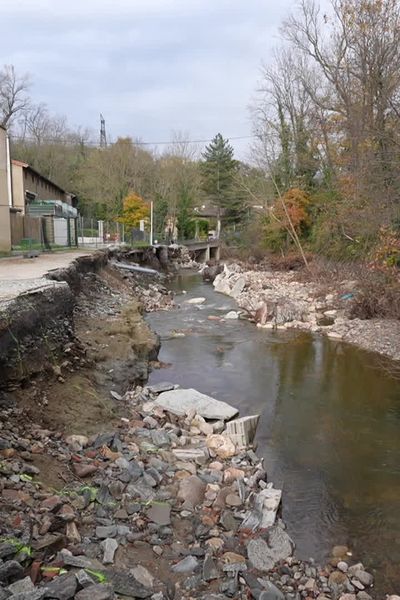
118, 501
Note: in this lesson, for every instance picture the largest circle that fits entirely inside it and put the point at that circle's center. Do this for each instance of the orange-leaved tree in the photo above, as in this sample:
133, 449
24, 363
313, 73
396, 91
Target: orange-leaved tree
291, 209
135, 209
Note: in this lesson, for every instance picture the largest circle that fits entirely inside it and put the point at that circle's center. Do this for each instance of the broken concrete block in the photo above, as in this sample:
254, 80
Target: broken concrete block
242, 431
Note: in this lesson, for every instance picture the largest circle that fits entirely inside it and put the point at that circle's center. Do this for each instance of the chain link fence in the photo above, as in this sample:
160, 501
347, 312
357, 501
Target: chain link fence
100, 234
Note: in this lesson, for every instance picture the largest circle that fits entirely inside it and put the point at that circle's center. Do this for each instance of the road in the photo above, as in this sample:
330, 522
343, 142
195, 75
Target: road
20, 275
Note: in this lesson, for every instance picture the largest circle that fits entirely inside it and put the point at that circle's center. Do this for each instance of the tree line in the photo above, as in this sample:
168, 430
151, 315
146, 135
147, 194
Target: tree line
323, 173
326, 117
117, 181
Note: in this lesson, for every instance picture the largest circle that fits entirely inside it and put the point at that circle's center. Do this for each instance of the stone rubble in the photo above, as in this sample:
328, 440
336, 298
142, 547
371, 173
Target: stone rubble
277, 300
159, 506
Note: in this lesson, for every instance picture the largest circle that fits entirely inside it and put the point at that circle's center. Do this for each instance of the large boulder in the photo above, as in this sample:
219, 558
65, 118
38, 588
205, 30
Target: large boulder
210, 272
180, 402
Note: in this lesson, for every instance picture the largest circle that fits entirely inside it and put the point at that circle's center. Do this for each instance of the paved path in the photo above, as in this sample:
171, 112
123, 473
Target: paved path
20, 275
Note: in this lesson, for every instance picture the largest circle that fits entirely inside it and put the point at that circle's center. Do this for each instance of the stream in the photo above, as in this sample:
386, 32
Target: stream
329, 428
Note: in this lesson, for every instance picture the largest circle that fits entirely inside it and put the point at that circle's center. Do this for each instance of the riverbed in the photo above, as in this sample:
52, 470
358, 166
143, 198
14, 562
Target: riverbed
329, 428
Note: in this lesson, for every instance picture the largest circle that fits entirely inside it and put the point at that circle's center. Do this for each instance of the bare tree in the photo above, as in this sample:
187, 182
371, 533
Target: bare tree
355, 51
14, 98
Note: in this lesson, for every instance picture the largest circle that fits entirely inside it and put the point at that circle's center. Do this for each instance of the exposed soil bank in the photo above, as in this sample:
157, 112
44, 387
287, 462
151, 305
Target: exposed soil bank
42, 319
280, 300
81, 334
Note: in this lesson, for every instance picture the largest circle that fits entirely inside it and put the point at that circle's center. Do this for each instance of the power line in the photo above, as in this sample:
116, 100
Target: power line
25, 138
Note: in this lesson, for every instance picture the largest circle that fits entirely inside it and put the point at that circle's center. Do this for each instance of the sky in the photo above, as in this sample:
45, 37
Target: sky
151, 67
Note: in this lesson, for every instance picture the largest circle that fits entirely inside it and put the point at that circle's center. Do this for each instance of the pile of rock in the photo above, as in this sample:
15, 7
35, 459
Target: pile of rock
278, 300
167, 504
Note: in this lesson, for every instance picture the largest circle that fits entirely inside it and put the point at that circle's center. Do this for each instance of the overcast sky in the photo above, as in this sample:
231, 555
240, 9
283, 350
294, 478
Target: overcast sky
150, 66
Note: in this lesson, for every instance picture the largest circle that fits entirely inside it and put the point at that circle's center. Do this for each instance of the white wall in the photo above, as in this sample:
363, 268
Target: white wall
61, 232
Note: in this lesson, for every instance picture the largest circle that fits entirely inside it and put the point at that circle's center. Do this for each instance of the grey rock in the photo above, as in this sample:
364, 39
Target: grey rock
210, 570
150, 422
109, 546
363, 596
35, 594
62, 588
230, 587
191, 491
263, 556
181, 401
123, 530
160, 438
143, 576
11, 569
106, 531
7, 549
364, 577
154, 474
135, 470
84, 580
79, 562
158, 388
122, 463
141, 490
98, 591
186, 565
228, 521
160, 514
238, 287
133, 507
149, 480
271, 592
21, 586
126, 584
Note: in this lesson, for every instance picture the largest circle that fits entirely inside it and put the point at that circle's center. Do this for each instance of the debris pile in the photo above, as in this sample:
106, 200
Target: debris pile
162, 505
277, 300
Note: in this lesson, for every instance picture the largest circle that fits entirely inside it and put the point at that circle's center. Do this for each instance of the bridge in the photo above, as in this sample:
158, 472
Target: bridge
202, 251
199, 250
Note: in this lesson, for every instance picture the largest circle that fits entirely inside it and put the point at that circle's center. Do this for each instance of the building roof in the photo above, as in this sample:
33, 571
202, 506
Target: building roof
209, 211
25, 165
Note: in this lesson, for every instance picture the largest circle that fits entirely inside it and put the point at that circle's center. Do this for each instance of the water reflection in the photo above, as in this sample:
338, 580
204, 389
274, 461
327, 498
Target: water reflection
329, 428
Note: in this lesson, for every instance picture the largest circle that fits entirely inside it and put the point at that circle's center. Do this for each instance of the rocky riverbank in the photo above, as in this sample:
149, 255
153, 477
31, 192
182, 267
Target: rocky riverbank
164, 504
279, 300
114, 490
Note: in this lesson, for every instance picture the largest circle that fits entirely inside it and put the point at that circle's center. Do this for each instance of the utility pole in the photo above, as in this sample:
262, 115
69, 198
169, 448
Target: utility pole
103, 135
151, 222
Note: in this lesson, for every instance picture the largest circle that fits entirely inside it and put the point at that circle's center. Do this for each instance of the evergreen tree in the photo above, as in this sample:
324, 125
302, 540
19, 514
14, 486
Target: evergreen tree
218, 171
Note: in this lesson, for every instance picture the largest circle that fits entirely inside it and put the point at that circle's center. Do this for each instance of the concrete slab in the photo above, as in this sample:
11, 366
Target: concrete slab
181, 401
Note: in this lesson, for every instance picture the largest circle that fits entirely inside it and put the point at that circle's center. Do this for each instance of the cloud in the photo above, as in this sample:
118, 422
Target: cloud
150, 66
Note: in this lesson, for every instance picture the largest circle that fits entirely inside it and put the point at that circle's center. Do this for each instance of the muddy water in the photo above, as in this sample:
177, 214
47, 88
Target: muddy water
329, 429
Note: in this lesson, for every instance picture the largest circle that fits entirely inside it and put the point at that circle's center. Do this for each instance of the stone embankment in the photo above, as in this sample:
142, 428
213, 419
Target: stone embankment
278, 300
166, 504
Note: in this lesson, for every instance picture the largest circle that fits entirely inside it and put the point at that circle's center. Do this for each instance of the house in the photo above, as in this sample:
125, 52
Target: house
42, 213
30, 186
5, 199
